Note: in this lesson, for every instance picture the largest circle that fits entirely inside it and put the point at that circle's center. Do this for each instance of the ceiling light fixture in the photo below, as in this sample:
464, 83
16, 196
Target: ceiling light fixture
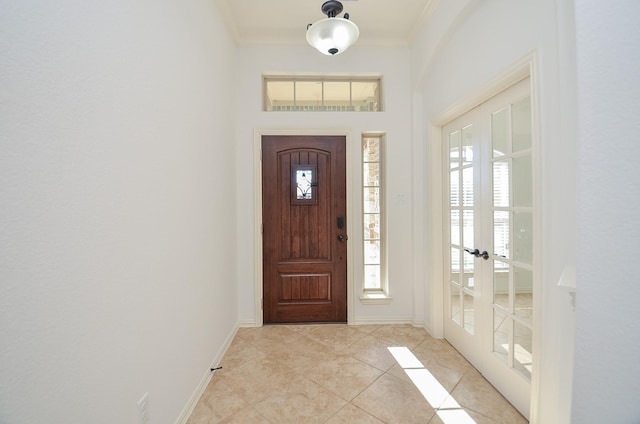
333, 35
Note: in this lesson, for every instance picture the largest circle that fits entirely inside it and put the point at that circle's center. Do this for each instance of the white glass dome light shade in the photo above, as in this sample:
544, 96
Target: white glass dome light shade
332, 36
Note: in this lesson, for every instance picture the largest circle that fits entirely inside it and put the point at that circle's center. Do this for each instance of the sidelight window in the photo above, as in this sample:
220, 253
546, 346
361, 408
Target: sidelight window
374, 277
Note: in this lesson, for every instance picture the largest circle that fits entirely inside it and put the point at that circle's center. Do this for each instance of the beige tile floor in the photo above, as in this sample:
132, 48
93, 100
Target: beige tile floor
347, 374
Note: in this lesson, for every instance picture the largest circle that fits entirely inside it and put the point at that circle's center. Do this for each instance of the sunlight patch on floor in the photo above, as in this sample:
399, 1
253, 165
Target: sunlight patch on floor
448, 410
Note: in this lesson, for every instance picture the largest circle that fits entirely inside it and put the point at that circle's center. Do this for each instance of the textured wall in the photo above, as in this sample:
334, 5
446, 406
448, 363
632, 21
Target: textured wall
116, 272
607, 370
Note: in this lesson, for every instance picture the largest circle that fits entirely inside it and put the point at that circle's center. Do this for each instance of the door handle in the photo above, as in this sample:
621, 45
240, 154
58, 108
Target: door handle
475, 252
342, 238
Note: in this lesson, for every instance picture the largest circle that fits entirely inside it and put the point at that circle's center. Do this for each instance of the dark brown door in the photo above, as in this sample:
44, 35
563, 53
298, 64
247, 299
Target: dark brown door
304, 229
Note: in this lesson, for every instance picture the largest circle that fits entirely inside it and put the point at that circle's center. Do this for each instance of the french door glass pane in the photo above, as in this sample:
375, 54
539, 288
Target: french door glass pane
500, 266
455, 265
468, 313
501, 191
521, 124
522, 344
500, 132
454, 189
501, 233
468, 274
523, 237
501, 332
467, 187
501, 284
467, 145
455, 227
454, 149
456, 314
523, 280
522, 184
467, 229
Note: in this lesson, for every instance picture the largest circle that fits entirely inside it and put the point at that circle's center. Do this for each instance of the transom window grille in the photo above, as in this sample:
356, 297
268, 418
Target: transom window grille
311, 94
372, 211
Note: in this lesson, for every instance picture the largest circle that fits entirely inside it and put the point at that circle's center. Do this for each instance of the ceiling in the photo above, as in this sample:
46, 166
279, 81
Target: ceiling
284, 22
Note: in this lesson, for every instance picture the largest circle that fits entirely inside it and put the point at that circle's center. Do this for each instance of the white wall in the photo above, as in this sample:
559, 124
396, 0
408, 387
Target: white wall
465, 45
607, 370
117, 260
393, 65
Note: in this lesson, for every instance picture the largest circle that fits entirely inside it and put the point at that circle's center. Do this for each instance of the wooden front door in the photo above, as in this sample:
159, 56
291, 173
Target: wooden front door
304, 229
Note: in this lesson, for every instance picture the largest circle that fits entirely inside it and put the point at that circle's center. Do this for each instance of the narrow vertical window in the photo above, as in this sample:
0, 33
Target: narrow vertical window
374, 281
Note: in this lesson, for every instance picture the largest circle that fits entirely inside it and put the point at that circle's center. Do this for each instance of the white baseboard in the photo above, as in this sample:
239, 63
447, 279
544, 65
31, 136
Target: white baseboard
247, 323
206, 378
386, 320
419, 324
430, 331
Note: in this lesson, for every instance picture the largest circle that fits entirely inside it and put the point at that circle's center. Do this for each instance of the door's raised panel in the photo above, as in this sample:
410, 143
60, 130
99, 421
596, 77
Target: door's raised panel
304, 288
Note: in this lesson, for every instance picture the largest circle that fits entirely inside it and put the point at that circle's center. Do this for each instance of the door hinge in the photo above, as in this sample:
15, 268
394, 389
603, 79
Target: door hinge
262, 303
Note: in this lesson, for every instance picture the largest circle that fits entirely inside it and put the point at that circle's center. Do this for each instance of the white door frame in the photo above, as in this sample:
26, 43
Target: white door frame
526, 66
257, 165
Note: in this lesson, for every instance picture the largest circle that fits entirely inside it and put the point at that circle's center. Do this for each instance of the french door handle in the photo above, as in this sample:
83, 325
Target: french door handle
475, 252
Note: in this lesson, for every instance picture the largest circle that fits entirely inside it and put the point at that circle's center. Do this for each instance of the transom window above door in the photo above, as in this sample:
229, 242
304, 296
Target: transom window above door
321, 94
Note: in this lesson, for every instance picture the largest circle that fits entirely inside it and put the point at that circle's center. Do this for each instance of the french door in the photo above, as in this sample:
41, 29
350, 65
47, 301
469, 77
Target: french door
490, 236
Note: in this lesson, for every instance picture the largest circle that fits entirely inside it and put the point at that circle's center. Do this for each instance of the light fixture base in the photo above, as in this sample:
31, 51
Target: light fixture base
331, 8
